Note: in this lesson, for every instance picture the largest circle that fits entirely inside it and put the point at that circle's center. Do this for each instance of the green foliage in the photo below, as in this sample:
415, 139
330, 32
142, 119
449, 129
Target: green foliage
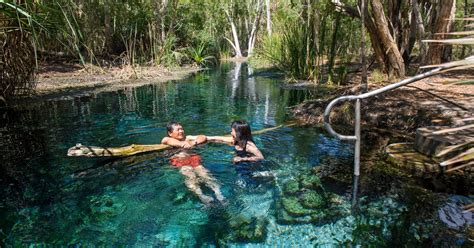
297, 57
18, 49
270, 51
310, 40
129, 32
168, 55
198, 54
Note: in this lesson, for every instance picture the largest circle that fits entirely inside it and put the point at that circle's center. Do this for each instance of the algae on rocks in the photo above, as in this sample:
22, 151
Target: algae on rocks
305, 200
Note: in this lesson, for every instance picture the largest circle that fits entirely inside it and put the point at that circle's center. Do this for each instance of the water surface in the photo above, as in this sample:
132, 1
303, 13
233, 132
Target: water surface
51, 199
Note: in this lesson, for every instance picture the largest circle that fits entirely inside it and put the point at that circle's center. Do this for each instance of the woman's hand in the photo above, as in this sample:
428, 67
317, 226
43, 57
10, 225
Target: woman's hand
237, 159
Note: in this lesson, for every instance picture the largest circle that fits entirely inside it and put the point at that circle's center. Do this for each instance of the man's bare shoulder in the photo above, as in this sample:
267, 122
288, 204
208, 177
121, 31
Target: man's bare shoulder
165, 140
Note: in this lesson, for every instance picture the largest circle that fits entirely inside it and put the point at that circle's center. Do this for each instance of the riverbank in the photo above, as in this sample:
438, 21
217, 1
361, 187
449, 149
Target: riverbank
441, 99
436, 201
70, 80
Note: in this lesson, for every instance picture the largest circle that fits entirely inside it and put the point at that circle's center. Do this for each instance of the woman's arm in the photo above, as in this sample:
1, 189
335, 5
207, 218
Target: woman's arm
251, 148
196, 139
223, 139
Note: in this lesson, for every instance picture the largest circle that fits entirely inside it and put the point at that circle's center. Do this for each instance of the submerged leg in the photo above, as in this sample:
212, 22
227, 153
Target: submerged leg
193, 184
210, 182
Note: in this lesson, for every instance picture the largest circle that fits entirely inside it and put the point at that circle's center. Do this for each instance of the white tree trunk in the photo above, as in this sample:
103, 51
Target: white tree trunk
253, 33
235, 44
164, 4
269, 19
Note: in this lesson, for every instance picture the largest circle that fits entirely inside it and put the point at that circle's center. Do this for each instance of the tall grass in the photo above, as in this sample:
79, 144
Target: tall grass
18, 50
300, 55
313, 42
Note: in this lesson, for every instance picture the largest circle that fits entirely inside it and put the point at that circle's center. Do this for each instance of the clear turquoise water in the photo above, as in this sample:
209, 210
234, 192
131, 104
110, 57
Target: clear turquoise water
51, 199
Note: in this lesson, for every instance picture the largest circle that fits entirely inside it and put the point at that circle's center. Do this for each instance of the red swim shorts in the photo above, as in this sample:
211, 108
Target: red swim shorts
192, 160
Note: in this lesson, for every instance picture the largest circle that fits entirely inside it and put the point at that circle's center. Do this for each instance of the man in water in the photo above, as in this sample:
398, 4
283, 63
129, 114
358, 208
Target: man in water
190, 163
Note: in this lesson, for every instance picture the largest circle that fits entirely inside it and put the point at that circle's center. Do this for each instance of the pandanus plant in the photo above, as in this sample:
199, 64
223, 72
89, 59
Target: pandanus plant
198, 54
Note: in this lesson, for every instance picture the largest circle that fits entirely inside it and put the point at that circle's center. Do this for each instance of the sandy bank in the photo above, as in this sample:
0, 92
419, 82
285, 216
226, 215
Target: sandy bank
62, 81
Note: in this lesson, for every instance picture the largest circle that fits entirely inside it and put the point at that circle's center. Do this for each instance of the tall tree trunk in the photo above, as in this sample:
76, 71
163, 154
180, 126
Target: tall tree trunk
307, 16
332, 51
235, 44
448, 48
363, 82
417, 21
389, 54
107, 29
269, 19
164, 5
253, 32
463, 51
172, 9
440, 22
385, 48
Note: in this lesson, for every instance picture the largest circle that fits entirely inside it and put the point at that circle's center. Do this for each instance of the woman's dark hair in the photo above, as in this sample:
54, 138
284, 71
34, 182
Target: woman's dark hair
170, 127
243, 134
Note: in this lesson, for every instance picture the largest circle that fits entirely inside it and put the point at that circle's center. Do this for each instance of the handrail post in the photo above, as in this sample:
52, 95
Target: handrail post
357, 143
356, 154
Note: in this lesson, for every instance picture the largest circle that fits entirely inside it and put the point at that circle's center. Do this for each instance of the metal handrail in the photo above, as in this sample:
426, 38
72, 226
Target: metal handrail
357, 98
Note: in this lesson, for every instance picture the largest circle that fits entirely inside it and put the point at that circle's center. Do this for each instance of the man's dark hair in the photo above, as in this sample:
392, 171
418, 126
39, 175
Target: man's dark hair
170, 126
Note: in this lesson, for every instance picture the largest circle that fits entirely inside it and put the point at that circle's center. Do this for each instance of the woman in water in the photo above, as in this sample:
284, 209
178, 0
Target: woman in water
241, 139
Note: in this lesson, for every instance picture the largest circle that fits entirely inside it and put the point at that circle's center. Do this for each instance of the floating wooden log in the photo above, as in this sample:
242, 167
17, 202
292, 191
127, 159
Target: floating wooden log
80, 150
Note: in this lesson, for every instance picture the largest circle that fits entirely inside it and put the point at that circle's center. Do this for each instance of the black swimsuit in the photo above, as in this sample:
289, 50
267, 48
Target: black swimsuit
242, 153
246, 170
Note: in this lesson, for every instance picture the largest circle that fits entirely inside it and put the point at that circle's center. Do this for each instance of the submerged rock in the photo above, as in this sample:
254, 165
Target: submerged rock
305, 200
311, 199
453, 214
249, 229
310, 181
293, 206
291, 187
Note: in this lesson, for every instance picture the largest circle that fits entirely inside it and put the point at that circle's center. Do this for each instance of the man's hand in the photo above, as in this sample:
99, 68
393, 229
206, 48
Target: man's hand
186, 145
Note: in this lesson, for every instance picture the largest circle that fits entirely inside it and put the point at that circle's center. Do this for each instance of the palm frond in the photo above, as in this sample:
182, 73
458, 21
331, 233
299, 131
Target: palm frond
454, 148
470, 32
466, 156
469, 61
461, 41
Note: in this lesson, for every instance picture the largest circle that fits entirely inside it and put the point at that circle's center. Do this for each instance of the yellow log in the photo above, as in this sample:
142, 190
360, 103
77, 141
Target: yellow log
95, 151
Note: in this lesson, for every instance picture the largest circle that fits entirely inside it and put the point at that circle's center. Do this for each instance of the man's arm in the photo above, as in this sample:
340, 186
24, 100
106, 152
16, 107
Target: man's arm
175, 143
